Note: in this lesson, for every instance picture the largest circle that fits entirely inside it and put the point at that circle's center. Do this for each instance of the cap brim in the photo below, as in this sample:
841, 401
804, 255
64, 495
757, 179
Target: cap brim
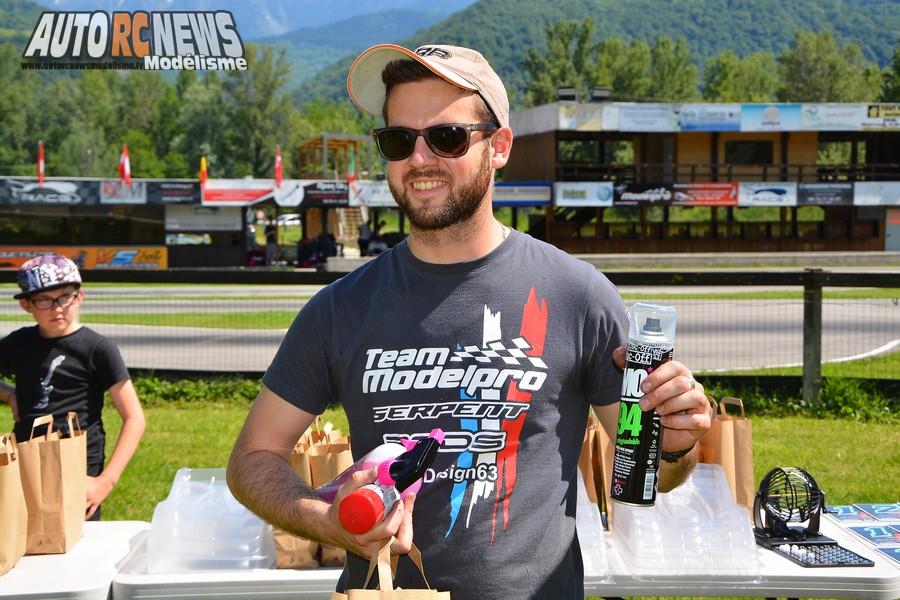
364, 82
56, 286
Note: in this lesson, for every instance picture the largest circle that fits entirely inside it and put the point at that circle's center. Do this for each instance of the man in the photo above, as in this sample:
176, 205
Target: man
500, 340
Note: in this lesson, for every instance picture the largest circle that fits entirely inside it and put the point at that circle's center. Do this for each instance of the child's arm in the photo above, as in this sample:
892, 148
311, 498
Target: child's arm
125, 399
8, 393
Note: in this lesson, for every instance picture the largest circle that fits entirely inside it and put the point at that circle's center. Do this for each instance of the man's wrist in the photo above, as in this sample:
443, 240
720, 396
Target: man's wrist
674, 457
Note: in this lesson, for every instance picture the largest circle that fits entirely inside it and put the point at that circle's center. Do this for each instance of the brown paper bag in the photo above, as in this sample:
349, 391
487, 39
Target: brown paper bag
595, 463
54, 476
13, 516
585, 463
293, 551
729, 443
327, 461
386, 567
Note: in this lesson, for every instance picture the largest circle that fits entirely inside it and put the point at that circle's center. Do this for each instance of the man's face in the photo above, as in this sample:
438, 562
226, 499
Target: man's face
433, 191
55, 311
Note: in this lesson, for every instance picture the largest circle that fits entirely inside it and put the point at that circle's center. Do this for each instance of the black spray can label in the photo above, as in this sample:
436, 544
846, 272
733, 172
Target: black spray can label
639, 433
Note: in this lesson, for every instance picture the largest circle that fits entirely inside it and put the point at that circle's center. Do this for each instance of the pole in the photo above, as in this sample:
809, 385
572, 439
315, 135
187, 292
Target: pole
812, 337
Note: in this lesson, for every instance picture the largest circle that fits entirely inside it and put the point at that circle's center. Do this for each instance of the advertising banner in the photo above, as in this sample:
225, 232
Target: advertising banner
825, 194
536, 193
203, 218
876, 193
582, 193
91, 257
371, 193
325, 193
580, 117
882, 116
770, 117
832, 117
173, 192
705, 194
630, 194
115, 191
710, 117
648, 117
767, 193
26, 190
236, 192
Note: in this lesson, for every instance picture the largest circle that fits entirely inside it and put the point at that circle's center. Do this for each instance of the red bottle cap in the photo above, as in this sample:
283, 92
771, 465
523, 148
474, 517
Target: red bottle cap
361, 511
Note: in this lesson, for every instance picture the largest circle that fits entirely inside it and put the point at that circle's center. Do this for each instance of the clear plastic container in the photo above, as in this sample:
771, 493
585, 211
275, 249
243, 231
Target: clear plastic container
590, 532
200, 526
696, 529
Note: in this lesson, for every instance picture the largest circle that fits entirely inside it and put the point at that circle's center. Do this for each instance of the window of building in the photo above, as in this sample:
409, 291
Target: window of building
744, 152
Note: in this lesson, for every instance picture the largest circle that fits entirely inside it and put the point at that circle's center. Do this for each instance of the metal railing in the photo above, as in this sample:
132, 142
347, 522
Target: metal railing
231, 321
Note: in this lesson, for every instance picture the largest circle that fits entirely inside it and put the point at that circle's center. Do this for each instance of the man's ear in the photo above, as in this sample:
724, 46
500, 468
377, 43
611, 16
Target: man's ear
501, 143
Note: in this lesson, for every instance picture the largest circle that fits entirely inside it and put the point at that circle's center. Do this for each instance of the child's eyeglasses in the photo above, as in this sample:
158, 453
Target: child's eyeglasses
449, 140
63, 301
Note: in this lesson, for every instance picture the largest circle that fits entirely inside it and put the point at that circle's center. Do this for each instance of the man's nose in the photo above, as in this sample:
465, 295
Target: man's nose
422, 154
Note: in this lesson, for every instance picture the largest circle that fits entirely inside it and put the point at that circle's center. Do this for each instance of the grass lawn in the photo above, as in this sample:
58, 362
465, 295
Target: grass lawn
852, 461
886, 366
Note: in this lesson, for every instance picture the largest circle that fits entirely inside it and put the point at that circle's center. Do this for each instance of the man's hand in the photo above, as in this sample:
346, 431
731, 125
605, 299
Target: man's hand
397, 523
98, 488
679, 400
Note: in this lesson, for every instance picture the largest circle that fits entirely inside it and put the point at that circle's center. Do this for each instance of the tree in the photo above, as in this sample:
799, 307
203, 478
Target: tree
890, 91
816, 69
728, 78
566, 62
624, 69
260, 116
673, 76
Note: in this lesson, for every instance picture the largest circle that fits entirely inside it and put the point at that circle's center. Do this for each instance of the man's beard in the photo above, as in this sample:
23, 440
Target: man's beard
462, 201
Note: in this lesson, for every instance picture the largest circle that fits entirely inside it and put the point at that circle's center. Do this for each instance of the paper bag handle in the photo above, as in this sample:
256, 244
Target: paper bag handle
8, 445
42, 420
387, 566
733, 401
70, 417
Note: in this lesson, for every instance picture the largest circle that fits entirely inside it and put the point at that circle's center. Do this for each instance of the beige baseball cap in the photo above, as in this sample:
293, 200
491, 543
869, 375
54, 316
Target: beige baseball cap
462, 67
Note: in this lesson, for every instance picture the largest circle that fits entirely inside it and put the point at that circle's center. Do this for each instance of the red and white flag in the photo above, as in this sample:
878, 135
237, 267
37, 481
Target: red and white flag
278, 167
125, 166
40, 164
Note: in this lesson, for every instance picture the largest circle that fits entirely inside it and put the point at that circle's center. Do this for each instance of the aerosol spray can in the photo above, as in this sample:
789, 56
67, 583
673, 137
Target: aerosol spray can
651, 339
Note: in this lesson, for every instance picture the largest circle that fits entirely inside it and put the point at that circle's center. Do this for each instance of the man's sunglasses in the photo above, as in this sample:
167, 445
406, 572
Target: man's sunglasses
449, 140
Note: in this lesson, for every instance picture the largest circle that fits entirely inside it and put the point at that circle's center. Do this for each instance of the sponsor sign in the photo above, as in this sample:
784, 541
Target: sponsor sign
91, 257
371, 193
832, 117
173, 192
882, 116
537, 193
325, 193
236, 192
581, 116
580, 193
710, 117
203, 218
876, 193
765, 193
116, 191
158, 41
54, 191
770, 117
825, 194
630, 194
648, 117
705, 194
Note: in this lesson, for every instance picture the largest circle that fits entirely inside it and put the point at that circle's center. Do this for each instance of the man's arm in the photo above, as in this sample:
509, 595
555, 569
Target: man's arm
684, 410
260, 477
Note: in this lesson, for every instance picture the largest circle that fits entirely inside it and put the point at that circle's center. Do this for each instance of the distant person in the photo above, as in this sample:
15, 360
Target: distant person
365, 234
271, 232
61, 366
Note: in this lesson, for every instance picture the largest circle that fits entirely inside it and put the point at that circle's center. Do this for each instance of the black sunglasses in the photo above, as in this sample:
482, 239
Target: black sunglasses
449, 140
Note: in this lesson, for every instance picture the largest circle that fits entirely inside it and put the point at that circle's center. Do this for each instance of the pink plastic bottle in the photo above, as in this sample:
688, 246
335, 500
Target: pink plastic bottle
380, 454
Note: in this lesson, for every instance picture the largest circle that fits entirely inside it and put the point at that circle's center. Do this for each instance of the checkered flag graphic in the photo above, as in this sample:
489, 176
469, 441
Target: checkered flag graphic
494, 350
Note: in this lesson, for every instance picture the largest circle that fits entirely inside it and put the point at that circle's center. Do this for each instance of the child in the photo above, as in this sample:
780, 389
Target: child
60, 366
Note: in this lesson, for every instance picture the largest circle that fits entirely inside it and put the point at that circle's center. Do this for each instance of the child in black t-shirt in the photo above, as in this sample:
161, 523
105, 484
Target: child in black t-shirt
60, 366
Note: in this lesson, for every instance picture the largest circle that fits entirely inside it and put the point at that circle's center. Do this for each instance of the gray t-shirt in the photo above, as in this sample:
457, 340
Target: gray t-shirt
504, 354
